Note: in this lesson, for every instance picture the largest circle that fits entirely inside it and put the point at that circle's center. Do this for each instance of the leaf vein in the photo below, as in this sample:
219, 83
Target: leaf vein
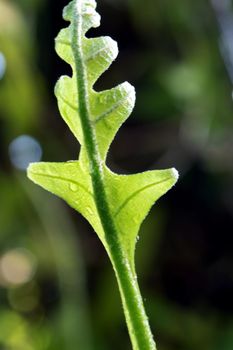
110, 110
121, 207
63, 42
68, 103
96, 53
66, 180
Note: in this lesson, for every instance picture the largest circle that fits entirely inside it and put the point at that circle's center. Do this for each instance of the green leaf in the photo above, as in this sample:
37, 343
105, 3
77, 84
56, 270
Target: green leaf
115, 205
130, 197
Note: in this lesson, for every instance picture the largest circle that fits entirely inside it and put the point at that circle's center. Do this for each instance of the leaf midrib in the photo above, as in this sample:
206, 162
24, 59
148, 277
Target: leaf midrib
131, 298
89, 134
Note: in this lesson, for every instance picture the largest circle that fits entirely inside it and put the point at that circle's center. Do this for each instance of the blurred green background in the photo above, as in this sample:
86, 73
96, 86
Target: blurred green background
57, 290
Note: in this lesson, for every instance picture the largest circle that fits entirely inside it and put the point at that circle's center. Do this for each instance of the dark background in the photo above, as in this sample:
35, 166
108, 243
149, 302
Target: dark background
57, 289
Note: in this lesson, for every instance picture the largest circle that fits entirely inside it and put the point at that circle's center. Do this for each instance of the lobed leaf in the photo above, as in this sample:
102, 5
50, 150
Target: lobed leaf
129, 197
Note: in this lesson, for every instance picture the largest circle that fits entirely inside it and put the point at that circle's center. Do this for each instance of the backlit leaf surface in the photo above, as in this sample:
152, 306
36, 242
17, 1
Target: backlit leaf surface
129, 197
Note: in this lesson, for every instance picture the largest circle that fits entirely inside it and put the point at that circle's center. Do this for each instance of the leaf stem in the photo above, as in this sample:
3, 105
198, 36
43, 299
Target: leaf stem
137, 322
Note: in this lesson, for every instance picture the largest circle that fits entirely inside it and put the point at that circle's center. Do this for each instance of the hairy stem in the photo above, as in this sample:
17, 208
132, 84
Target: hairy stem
136, 318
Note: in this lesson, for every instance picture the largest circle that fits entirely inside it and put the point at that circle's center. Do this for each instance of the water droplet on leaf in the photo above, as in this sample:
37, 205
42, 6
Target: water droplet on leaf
73, 187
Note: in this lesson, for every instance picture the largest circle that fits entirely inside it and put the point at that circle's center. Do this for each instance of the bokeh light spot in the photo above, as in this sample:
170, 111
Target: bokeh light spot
17, 266
24, 150
2, 65
24, 298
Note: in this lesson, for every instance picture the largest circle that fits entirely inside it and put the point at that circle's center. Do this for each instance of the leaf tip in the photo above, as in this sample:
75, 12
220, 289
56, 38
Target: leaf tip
34, 169
67, 11
175, 174
30, 168
114, 47
131, 92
